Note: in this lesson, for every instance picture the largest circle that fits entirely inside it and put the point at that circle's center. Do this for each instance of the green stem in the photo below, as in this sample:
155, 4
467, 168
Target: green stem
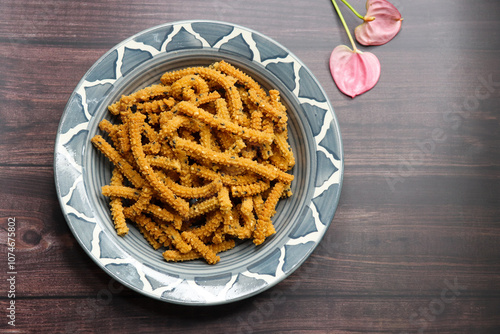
353, 10
354, 48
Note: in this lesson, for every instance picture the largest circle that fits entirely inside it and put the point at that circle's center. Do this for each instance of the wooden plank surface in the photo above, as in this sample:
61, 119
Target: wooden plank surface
415, 243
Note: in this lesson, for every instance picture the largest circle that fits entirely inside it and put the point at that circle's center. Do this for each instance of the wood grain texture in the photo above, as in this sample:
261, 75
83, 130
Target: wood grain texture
415, 243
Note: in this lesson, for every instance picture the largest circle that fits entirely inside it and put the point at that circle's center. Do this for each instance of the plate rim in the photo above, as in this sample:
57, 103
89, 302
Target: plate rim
339, 152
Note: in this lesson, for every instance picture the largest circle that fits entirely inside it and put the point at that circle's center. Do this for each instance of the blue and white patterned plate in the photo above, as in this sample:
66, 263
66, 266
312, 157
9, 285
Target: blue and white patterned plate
300, 221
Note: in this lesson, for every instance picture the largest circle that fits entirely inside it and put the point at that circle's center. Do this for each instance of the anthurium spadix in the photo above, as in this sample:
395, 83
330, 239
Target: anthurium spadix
381, 23
353, 71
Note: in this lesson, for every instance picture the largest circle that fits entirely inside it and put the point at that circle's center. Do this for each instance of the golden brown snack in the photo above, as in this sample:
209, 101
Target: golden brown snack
116, 205
200, 160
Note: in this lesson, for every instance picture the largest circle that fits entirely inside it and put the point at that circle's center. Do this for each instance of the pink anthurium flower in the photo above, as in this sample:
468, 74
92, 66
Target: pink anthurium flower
354, 72
381, 23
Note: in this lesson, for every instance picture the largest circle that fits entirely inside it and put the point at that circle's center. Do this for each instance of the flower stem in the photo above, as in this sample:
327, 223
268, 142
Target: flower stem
354, 48
353, 10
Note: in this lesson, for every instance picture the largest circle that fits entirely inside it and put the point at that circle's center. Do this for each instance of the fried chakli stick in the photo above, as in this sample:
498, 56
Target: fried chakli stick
223, 124
118, 160
147, 171
195, 150
264, 226
200, 247
174, 255
200, 160
250, 189
116, 205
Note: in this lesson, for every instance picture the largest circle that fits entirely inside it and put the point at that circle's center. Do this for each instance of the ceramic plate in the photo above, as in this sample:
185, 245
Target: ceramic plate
300, 221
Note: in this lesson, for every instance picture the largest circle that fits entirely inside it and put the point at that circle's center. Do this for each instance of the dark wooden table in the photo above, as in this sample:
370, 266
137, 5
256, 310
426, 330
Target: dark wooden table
415, 243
